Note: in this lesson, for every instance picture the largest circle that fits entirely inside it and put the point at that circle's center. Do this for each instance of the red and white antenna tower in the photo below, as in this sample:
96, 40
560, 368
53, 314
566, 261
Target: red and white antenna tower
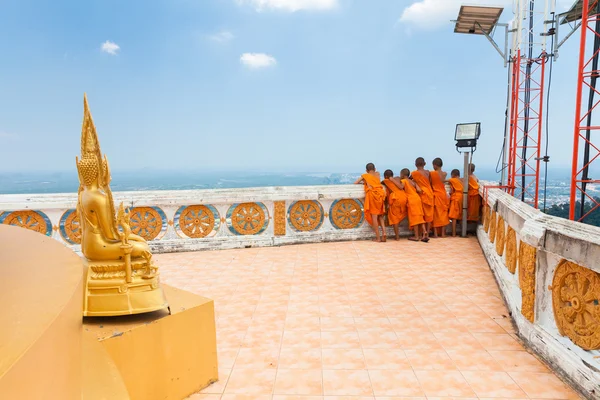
586, 143
526, 59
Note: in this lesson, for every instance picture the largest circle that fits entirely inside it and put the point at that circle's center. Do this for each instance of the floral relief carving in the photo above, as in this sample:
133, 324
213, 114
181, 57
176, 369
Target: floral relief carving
279, 219
486, 218
500, 236
527, 264
511, 250
492, 231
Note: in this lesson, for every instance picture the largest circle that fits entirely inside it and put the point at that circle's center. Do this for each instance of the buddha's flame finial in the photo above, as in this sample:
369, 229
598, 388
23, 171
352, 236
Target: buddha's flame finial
90, 164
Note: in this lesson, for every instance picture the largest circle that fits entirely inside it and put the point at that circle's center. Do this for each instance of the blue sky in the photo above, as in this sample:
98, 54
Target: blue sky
303, 85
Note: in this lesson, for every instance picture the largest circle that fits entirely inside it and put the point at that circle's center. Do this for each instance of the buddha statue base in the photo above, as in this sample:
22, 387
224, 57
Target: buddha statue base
110, 290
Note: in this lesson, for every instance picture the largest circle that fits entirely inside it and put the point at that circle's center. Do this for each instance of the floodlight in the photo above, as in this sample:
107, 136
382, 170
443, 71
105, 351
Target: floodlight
466, 135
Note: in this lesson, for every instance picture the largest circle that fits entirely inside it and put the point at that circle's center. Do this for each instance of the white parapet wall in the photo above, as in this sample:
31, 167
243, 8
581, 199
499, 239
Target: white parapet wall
189, 220
548, 270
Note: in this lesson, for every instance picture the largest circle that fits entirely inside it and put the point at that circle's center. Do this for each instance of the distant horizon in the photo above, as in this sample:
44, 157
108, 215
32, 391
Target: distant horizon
46, 182
556, 169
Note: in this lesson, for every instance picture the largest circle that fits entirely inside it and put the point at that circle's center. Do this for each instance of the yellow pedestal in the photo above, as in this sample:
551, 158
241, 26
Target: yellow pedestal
41, 291
159, 356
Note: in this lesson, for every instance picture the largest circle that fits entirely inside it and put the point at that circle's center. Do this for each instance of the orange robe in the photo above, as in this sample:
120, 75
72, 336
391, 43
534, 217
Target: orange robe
397, 202
426, 195
456, 199
374, 197
415, 207
474, 200
441, 203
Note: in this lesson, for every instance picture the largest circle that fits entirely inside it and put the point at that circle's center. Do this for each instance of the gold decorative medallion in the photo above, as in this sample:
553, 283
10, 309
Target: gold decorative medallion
196, 221
492, 231
527, 263
500, 236
146, 222
248, 218
346, 214
279, 210
511, 250
306, 215
73, 228
27, 219
576, 304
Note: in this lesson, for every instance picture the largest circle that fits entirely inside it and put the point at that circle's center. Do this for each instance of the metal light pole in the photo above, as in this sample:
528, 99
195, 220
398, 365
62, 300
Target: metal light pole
466, 136
465, 213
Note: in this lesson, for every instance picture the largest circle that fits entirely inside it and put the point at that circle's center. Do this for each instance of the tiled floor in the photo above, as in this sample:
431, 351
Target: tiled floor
361, 320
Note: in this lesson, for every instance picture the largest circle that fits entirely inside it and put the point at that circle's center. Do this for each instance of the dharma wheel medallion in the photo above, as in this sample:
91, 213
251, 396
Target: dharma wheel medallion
576, 304
248, 218
197, 221
31, 220
346, 214
306, 215
71, 228
146, 222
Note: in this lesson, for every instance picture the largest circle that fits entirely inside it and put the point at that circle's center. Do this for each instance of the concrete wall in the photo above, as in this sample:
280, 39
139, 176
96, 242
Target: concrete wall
557, 267
54, 214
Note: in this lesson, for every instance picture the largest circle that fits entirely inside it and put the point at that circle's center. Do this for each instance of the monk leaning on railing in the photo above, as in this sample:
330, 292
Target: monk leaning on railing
397, 201
474, 203
440, 198
374, 200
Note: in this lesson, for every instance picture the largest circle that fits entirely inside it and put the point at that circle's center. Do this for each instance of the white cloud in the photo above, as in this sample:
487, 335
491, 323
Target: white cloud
292, 5
110, 47
6, 135
221, 37
432, 14
257, 60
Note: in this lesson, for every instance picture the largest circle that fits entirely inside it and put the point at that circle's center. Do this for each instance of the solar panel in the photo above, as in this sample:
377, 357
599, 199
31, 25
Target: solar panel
574, 12
470, 18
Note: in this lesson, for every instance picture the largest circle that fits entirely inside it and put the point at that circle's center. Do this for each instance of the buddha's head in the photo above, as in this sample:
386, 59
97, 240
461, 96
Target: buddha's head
89, 170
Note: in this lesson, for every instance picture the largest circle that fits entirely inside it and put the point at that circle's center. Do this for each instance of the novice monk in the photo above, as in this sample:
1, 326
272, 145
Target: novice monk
421, 178
474, 198
374, 200
397, 200
456, 199
415, 207
440, 198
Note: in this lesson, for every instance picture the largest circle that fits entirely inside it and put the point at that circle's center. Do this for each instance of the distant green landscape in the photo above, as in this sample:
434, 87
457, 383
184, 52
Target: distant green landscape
562, 210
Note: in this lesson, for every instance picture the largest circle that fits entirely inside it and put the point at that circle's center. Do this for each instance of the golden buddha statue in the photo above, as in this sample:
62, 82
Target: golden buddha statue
121, 277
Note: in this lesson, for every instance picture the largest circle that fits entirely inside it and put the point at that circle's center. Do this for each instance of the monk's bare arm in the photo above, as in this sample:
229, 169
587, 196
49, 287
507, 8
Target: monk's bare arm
417, 187
359, 181
397, 182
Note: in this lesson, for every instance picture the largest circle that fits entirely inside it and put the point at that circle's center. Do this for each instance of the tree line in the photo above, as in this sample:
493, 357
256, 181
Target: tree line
562, 210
